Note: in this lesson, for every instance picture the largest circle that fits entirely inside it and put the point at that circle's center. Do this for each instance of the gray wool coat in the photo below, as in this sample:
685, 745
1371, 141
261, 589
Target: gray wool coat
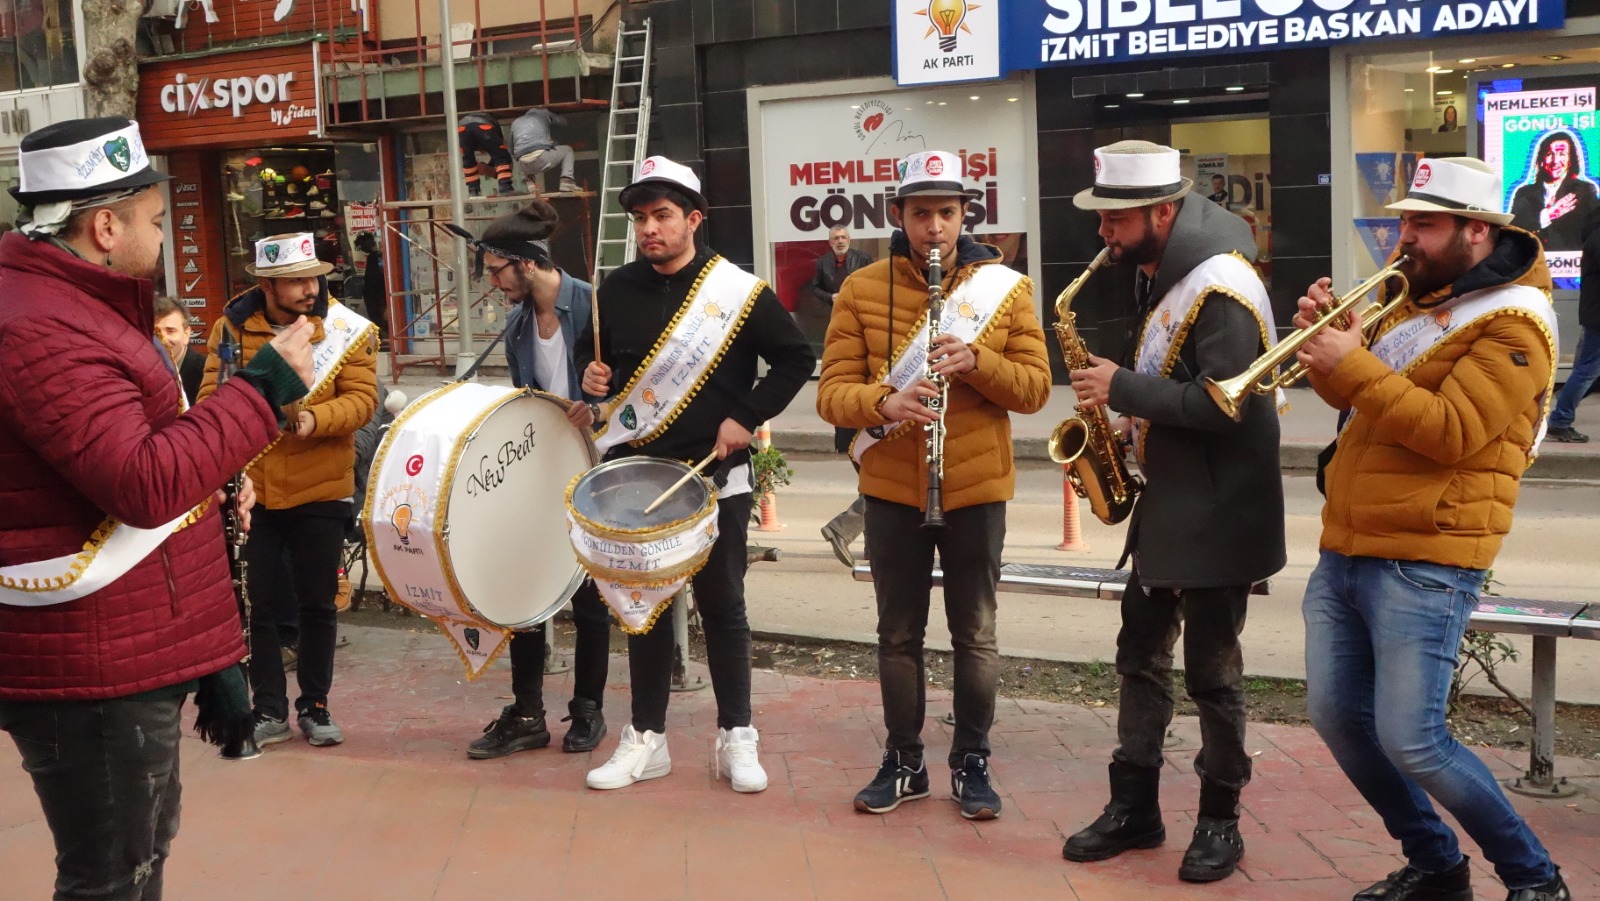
1211, 514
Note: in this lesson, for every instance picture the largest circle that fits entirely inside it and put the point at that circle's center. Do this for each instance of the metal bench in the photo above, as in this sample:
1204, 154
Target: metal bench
1545, 621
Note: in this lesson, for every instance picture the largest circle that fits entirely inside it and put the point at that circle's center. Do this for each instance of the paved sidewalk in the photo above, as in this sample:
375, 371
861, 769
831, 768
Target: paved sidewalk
398, 812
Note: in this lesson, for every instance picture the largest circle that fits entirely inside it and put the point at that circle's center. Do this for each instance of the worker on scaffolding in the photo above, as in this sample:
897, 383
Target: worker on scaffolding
480, 133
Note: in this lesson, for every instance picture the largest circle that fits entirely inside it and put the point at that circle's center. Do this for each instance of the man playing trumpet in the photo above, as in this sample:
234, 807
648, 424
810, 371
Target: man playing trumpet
876, 368
1445, 411
1209, 522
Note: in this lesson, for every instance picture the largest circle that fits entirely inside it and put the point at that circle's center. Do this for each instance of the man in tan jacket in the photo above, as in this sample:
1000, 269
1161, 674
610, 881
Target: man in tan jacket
1445, 410
991, 349
305, 482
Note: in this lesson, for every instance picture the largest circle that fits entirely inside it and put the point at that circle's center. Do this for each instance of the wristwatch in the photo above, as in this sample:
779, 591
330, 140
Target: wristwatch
878, 407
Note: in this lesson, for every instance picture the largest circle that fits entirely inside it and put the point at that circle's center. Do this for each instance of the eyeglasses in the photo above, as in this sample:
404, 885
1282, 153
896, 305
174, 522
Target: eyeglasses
494, 271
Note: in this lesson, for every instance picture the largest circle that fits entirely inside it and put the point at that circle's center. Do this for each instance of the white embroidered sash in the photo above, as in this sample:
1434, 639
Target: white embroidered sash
969, 312
116, 547
1168, 324
1409, 343
695, 340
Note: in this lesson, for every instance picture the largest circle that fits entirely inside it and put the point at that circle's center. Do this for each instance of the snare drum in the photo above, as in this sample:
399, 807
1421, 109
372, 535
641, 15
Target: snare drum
460, 514
640, 561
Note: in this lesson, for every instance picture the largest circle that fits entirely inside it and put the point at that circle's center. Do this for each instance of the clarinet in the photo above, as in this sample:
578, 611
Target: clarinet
933, 519
228, 352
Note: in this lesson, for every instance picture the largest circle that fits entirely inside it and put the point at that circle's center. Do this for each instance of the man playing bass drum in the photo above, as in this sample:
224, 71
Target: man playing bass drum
1209, 522
992, 351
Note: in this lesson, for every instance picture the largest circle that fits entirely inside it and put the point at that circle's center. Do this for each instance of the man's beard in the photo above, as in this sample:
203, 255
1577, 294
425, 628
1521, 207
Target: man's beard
1425, 275
665, 252
1148, 250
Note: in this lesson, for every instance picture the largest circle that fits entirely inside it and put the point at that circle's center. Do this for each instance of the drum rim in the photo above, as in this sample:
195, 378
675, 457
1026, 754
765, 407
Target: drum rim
447, 483
657, 578
665, 530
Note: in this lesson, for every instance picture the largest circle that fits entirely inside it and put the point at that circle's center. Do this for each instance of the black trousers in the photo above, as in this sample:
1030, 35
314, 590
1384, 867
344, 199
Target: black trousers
478, 137
106, 773
313, 535
1210, 620
902, 577
590, 657
719, 596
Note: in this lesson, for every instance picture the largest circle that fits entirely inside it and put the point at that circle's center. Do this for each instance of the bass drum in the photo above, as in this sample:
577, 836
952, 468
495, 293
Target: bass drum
463, 505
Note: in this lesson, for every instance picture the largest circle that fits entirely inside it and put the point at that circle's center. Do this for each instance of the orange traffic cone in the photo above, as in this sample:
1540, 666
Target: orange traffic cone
1071, 528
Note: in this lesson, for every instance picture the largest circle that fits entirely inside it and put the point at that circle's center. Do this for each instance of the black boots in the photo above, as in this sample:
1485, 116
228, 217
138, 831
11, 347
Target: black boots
1215, 850
1411, 884
588, 726
1132, 819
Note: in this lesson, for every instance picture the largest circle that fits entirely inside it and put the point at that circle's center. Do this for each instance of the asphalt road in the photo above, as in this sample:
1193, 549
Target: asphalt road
1551, 554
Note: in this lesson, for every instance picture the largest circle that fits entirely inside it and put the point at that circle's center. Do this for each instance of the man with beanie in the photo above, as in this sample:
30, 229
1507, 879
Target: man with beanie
686, 328
306, 481
991, 350
548, 310
115, 598
1209, 521
1445, 411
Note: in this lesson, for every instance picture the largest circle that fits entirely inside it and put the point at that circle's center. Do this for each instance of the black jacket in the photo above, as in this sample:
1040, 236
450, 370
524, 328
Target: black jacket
827, 275
1565, 233
190, 372
637, 304
1211, 514
1589, 286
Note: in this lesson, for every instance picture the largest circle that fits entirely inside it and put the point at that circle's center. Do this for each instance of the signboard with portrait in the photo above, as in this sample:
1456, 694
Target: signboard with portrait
1546, 145
832, 162
957, 40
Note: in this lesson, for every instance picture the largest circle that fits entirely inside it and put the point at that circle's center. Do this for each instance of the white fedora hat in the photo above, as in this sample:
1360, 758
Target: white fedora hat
288, 256
660, 170
1460, 186
933, 173
1131, 174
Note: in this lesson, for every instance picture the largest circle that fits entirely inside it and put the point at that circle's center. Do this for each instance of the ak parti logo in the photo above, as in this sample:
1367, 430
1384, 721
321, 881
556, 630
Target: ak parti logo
947, 18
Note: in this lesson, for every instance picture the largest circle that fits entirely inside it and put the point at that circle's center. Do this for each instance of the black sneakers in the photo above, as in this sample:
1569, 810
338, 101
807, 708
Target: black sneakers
894, 783
510, 733
969, 786
1566, 434
588, 726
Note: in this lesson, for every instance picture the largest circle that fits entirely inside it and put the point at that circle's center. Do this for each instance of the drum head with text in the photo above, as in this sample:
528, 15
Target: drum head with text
505, 533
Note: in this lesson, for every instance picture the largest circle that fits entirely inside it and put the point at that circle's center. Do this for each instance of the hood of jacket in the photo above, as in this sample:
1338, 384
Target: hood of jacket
1201, 231
131, 298
254, 300
968, 251
1517, 259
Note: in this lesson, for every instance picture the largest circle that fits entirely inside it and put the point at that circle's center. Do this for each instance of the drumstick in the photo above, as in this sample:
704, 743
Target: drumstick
680, 483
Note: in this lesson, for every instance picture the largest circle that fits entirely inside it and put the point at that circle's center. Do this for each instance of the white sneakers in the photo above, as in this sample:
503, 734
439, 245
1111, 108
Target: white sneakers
637, 757
737, 758
641, 756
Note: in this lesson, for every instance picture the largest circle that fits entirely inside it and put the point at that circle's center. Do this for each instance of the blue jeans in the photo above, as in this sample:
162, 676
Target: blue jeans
1382, 638
106, 773
1585, 369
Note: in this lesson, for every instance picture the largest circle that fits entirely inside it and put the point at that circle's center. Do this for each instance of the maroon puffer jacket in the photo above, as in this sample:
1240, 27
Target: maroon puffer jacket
89, 428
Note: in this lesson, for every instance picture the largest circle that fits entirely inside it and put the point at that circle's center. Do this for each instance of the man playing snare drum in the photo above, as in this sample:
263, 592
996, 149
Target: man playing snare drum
717, 407
549, 308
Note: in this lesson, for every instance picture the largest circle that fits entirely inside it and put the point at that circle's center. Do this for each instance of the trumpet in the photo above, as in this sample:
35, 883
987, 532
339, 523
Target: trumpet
1263, 377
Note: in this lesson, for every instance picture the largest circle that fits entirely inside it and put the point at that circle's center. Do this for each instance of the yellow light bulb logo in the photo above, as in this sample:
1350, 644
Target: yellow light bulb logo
401, 520
945, 17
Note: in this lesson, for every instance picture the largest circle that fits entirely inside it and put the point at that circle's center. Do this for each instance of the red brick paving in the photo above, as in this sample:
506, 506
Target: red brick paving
398, 812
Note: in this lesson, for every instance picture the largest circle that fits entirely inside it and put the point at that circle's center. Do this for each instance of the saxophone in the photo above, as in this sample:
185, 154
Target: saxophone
1086, 443
933, 518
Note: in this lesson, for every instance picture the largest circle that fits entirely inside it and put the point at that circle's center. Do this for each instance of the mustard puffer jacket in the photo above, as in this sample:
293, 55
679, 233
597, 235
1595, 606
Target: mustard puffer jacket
1012, 376
1428, 469
320, 466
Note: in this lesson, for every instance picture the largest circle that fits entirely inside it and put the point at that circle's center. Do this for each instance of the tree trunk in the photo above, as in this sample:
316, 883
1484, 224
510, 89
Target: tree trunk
111, 62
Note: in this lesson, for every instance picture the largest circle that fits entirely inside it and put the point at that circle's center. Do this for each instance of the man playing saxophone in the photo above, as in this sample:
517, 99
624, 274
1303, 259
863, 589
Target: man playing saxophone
1446, 408
876, 368
1209, 521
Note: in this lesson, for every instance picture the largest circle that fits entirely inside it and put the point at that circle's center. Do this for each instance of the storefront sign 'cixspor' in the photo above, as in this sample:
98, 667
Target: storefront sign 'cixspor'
207, 93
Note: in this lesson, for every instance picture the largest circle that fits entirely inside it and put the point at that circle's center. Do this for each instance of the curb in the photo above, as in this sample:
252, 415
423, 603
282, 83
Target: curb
1297, 458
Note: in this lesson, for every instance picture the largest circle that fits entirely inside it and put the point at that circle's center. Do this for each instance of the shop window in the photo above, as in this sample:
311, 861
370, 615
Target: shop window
37, 47
285, 190
1230, 161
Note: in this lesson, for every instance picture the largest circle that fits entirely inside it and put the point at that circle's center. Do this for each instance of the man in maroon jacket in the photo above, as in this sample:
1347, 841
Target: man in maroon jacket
115, 599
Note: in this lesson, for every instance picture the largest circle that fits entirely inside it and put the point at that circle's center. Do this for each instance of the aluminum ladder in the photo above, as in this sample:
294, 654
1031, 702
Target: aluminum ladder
627, 134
